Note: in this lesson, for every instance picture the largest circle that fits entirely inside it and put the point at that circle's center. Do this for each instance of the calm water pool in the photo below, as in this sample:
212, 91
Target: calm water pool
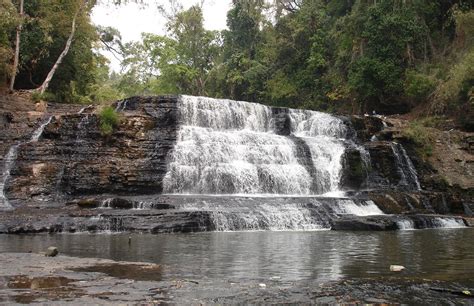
441, 254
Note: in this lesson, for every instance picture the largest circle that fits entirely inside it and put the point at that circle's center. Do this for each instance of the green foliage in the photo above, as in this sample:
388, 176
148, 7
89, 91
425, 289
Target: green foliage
356, 55
420, 133
418, 86
108, 119
454, 91
37, 97
8, 20
176, 64
46, 27
375, 79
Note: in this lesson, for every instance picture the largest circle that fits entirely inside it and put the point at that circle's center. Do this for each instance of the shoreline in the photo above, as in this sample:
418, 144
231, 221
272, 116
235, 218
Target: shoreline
34, 278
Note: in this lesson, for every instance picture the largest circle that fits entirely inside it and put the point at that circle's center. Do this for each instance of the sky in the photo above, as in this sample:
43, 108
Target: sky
132, 20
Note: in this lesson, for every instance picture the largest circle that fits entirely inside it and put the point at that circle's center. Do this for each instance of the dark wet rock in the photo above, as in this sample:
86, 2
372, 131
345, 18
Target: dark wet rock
468, 209
366, 126
371, 223
282, 121
51, 252
39, 280
402, 202
73, 173
137, 272
384, 170
87, 203
5, 119
119, 203
73, 158
398, 202
469, 221
354, 173
393, 222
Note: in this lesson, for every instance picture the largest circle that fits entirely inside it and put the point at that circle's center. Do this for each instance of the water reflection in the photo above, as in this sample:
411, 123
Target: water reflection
289, 256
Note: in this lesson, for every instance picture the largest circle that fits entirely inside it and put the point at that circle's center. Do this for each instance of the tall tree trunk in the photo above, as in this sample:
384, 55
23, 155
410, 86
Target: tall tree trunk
63, 54
16, 59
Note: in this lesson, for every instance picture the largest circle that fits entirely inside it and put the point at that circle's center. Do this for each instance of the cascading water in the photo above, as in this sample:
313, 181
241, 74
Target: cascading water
406, 169
236, 148
428, 221
39, 131
232, 147
9, 162
236, 214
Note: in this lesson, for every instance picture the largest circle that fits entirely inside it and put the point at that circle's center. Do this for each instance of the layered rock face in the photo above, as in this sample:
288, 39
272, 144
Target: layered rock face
73, 157
85, 181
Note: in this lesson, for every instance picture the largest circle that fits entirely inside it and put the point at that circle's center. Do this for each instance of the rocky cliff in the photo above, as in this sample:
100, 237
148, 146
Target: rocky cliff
80, 179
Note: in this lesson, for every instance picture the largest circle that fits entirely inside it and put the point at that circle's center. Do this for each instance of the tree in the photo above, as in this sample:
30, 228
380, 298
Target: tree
17, 48
242, 75
41, 89
8, 21
180, 62
47, 29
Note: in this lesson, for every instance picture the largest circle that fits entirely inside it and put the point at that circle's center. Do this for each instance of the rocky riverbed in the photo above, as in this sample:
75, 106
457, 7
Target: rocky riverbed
34, 278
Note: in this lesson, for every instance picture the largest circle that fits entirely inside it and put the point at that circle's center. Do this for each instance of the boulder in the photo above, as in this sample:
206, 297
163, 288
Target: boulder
51, 252
88, 203
364, 223
120, 203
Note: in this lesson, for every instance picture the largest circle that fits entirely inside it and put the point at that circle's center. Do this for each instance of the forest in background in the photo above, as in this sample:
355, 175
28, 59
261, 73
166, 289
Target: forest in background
346, 56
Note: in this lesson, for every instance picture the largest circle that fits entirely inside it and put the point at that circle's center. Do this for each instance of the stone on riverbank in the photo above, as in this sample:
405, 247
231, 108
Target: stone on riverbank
51, 252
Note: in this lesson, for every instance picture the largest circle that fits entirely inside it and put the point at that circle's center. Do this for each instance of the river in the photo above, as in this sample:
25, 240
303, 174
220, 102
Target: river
289, 256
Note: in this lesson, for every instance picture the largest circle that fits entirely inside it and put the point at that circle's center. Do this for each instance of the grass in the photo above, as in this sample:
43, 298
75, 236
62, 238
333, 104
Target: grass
421, 134
109, 119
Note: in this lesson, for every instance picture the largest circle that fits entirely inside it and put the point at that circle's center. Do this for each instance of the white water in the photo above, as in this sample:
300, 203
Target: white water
446, 222
311, 123
407, 171
313, 214
121, 106
406, 224
84, 108
366, 209
413, 175
432, 222
39, 131
231, 147
10, 159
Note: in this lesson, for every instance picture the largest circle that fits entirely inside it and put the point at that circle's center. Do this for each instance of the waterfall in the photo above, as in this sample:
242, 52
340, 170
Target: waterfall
81, 111
39, 131
446, 222
408, 175
121, 105
405, 224
238, 214
232, 147
10, 159
428, 221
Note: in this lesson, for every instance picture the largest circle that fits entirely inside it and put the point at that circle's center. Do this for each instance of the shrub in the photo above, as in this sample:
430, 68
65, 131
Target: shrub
47, 96
418, 86
454, 91
109, 119
419, 132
